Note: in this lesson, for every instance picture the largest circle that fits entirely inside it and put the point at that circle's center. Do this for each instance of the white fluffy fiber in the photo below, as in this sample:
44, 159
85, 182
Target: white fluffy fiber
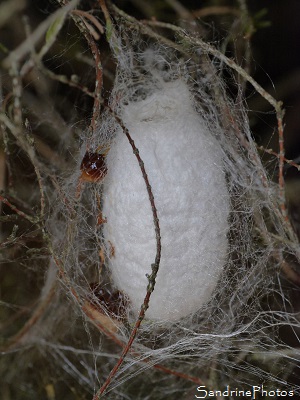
184, 165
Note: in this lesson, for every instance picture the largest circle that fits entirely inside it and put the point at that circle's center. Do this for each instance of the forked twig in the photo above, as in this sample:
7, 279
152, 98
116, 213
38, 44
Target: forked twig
285, 160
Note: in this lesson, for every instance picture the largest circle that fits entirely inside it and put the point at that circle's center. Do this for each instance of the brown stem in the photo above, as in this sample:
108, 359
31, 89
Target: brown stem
154, 266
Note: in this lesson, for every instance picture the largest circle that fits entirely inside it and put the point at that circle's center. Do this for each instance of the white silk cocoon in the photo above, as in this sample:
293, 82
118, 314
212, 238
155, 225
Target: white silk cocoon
184, 165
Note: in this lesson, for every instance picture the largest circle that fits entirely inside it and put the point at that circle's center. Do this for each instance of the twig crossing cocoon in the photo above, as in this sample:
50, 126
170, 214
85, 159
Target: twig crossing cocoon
184, 165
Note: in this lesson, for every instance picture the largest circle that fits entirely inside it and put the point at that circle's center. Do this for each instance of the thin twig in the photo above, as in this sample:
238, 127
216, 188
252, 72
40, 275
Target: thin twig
2, 176
92, 19
280, 114
65, 80
147, 31
84, 28
181, 10
274, 153
33, 220
17, 94
154, 266
98, 85
27, 146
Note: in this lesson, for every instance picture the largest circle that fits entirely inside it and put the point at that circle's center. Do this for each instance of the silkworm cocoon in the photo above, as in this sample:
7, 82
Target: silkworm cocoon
185, 169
